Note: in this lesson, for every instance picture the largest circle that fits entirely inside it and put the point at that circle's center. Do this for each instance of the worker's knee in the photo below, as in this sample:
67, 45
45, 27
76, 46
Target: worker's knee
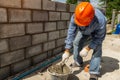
98, 51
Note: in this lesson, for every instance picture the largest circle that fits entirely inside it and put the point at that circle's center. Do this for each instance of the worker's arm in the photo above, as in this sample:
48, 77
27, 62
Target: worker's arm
71, 34
98, 36
69, 40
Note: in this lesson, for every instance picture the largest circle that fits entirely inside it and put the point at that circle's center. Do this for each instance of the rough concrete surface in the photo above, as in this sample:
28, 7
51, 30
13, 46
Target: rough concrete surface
110, 64
59, 69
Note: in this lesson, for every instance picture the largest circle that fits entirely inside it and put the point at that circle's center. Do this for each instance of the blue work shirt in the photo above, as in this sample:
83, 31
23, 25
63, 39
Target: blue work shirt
96, 29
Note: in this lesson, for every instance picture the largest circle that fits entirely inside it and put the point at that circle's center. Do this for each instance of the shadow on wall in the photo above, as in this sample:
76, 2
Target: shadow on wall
108, 65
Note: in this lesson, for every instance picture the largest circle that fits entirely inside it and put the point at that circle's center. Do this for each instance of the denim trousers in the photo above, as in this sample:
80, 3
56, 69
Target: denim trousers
80, 42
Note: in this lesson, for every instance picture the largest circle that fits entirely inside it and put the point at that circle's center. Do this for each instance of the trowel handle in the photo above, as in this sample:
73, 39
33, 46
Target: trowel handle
64, 61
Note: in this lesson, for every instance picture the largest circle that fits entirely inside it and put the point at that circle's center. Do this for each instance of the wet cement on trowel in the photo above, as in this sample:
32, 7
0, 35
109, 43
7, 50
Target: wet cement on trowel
59, 69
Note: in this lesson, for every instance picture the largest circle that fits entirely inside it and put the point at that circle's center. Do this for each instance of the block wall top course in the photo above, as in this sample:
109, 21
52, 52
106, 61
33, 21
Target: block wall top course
37, 5
10, 3
32, 4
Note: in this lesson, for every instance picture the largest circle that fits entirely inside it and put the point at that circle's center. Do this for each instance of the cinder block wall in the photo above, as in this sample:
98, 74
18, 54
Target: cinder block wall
31, 31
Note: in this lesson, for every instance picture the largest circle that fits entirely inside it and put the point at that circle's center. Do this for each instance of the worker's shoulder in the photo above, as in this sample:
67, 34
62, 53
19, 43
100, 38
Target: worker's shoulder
100, 16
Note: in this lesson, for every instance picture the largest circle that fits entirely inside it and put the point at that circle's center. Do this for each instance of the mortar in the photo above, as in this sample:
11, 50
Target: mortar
59, 72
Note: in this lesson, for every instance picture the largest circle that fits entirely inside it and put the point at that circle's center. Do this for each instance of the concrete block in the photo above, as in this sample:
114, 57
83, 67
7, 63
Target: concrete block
68, 23
21, 66
65, 16
12, 57
53, 16
39, 58
11, 30
34, 28
4, 45
34, 50
49, 45
10, 3
61, 25
50, 26
40, 16
20, 42
71, 14
48, 5
57, 50
32, 4
60, 42
16, 15
61, 6
49, 53
72, 7
39, 38
3, 15
53, 35
63, 33
4, 72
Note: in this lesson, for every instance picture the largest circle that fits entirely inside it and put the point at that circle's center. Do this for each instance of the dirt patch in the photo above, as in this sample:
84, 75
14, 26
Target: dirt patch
59, 69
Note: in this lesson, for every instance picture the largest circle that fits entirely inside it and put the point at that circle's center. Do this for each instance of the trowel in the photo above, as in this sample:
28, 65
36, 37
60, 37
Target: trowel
62, 63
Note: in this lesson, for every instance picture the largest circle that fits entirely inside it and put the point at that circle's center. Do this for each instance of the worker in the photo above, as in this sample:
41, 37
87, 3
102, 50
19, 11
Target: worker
87, 30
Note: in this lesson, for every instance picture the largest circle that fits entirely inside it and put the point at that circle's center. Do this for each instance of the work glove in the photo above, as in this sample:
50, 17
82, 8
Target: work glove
84, 52
65, 55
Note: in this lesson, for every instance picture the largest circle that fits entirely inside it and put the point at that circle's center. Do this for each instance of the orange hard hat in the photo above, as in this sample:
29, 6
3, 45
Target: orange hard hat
84, 14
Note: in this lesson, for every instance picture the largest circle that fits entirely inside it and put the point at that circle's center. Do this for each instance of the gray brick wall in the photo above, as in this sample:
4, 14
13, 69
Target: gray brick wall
61, 6
31, 31
17, 67
4, 45
11, 57
63, 33
10, 3
50, 26
57, 50
72, 7
20, 42
4, 72
40, 16
61, 25
39, 58
11, 30
32, 28
48, 5
34, 50
60, 42
39, 38
53, 16
32, 4
65, 16
16, 15
49, 46
53, 35
3, 15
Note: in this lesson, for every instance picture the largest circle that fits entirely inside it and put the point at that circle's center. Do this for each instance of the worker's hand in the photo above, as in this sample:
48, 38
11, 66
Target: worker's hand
84, 52
65, 55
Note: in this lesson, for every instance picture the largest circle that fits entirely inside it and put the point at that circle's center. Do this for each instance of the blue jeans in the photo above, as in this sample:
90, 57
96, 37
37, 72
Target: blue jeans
80, 42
